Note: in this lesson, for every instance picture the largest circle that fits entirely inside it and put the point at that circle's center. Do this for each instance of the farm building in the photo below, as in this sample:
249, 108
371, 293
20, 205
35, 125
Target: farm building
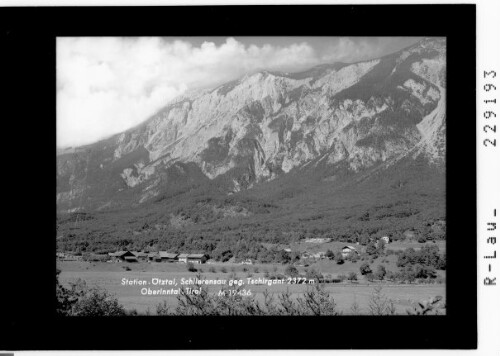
121, 256
347, 250
168, 257
154, 257
386, 239
193, 258
183, 257
247, 262
131, 259
197, 258
141, 256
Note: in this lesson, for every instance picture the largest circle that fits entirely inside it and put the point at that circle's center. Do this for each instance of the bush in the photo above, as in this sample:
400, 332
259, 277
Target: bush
223, 269
390, 276
256, 270
315, 301
380, 273
212, 269
291, 271
379, 304
365, 269
98, 302
190, 267
163, 308
352, 276
440, 279
313, 274
389, 252
339, 258
425, 272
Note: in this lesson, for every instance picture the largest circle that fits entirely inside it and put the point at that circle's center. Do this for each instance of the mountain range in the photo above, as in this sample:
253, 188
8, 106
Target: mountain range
347, 137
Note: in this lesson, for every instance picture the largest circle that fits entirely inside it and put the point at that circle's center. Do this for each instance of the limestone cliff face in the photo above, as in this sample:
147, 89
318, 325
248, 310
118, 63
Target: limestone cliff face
268, 123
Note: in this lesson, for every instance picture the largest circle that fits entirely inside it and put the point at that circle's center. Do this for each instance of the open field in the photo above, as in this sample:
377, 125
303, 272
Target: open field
110, 275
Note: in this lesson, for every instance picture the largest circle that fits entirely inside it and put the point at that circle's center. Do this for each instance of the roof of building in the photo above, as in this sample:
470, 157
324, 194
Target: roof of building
165, 254
349, 247
183, 255
120, 253
196, 255
139, 254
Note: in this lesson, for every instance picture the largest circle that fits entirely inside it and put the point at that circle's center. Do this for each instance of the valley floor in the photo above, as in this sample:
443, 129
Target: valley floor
111, 275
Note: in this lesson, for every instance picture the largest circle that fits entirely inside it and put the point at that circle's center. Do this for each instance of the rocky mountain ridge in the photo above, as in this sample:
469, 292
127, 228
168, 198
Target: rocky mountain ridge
350, 117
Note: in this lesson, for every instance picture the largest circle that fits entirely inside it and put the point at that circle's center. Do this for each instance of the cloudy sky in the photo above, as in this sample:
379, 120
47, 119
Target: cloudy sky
106, 85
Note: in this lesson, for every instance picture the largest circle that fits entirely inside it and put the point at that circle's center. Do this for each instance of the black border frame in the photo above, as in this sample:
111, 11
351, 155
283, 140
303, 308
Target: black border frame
28, 42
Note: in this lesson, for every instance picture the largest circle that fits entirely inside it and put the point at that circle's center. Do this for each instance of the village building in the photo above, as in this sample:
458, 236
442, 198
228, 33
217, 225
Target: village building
183, 257
348, 250
193, 258
121, 256
247, 262
141, 256
386, 239
197, 258
131, 259
168, 257
154, 257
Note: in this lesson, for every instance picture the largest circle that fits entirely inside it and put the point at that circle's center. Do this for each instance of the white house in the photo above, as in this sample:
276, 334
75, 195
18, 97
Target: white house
386, 239
347, 250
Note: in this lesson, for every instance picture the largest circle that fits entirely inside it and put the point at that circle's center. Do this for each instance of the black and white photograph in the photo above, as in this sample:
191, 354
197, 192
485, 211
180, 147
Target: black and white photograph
278, 176
248, 177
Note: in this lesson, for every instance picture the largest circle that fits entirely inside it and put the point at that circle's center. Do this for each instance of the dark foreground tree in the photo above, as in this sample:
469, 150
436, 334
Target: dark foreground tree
380, 273
365, 269
79, 300
98, 302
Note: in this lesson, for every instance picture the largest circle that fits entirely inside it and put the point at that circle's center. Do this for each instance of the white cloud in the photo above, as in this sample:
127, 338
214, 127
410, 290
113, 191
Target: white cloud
107, 85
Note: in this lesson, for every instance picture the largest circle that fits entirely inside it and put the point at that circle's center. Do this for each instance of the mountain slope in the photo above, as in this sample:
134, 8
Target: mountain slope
336, 120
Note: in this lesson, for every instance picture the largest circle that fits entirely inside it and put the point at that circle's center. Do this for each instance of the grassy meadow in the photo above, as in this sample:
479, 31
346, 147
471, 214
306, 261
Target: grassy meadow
110, 275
